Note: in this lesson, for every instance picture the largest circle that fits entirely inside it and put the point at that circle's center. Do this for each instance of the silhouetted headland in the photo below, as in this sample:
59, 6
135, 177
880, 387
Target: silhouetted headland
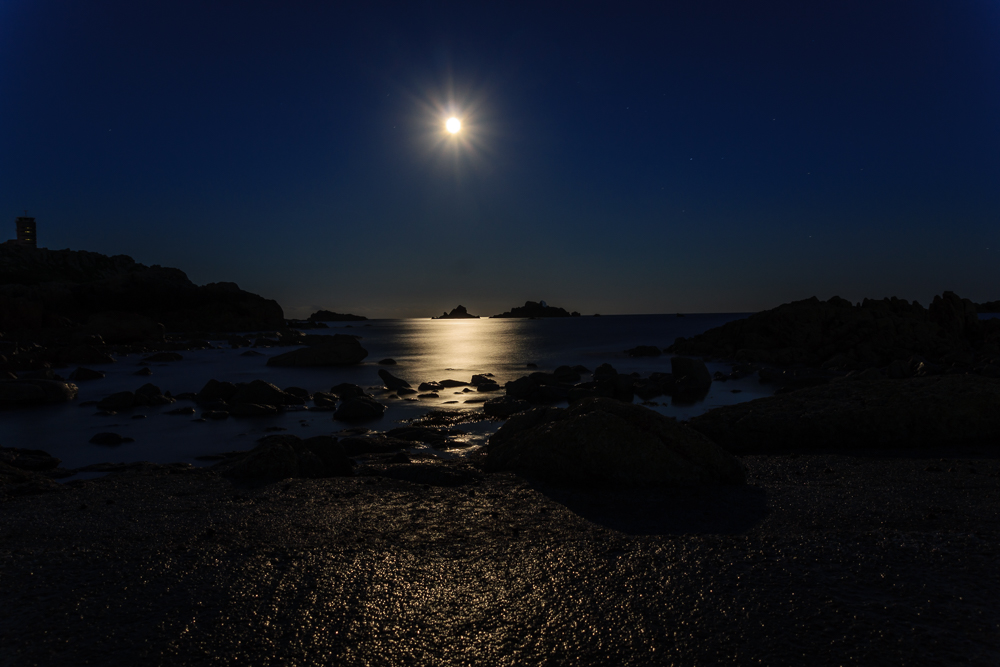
73, 293
329, 316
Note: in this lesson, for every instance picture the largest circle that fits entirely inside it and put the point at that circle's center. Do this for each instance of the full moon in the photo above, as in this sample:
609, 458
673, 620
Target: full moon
453, 125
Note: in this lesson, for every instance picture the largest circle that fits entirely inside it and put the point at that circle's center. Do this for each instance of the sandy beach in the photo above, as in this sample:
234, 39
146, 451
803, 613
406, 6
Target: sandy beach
830, 558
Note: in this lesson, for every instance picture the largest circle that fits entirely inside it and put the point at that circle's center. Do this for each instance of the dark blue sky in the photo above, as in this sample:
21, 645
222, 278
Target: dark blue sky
702, 156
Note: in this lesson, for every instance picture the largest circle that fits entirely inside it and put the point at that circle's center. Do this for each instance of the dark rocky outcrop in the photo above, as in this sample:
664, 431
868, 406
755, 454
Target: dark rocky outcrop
839, 334
988, 307
457, 313
336, 350
537, 309
862, 412
603, 442
691, 379
122, 301
330, 316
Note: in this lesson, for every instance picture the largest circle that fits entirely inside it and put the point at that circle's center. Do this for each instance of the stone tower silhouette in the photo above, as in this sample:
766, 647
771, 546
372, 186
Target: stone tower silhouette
26, 232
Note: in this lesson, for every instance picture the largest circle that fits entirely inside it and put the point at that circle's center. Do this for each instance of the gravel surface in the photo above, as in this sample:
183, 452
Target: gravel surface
823, 559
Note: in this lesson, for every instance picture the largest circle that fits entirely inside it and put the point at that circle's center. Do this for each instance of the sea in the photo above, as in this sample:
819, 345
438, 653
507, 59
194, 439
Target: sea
424, 350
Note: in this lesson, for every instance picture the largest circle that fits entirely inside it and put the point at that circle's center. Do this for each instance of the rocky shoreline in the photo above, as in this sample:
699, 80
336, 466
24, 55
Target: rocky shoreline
852, 518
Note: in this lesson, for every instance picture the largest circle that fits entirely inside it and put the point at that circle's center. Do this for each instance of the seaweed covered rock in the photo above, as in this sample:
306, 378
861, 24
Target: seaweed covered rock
602, 442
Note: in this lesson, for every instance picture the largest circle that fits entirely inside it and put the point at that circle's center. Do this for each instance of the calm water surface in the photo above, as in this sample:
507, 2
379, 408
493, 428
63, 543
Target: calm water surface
423, 349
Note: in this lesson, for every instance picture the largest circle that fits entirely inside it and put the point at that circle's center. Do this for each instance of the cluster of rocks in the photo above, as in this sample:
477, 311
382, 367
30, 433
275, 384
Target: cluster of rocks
258, 398
457, 313
537, 309
839, 335
146, 395
689, 380
45, 292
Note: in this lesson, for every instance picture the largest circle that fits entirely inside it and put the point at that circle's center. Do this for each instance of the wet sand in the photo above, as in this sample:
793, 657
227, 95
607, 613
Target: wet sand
821, 559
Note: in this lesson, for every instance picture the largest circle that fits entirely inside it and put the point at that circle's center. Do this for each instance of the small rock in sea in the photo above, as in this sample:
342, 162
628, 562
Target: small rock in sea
143, 371
387, 362
476, 400
405, 391
447, 402
109, 439
138, 416
391, 381
181, 411
429, 395
251, 353
532, 365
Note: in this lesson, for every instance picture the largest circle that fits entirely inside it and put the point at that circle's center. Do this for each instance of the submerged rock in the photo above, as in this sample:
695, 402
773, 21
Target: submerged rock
602, 442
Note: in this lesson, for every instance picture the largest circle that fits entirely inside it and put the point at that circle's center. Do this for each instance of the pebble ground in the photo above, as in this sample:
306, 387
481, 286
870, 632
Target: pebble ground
823, 559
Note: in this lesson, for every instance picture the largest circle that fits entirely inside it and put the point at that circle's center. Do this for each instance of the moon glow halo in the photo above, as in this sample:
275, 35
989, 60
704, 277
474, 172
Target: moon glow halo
453, 125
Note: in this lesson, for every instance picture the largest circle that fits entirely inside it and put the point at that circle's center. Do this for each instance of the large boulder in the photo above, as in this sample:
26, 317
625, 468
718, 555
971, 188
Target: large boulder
216, 391
691, 379
601, 442
862, 413
337, 350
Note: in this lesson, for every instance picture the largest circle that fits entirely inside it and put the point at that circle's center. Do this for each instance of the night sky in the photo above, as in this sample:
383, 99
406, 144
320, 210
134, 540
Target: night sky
615, 158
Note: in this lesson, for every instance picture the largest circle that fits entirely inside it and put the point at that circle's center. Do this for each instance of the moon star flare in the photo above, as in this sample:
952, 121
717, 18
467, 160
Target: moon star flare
453, 125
